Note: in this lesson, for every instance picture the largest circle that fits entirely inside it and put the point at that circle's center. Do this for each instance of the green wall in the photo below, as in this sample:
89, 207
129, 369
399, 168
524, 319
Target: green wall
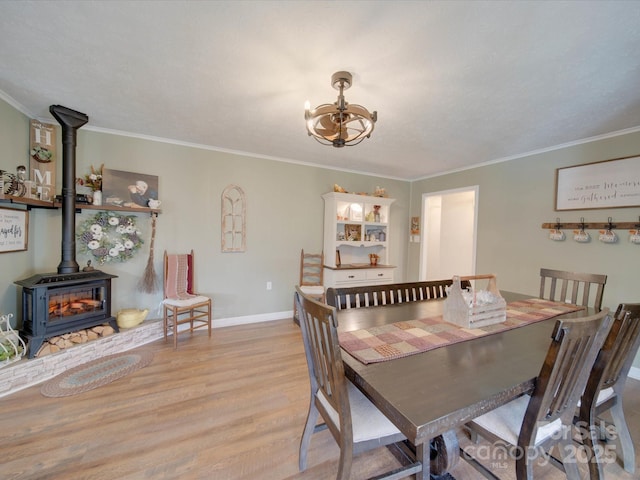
517, 197
284, 215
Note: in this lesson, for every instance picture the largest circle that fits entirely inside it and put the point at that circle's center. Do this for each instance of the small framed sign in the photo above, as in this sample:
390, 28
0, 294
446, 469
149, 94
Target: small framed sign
14, 230
607, 184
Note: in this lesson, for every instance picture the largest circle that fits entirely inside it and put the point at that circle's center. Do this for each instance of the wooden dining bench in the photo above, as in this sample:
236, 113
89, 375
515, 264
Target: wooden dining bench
376, 295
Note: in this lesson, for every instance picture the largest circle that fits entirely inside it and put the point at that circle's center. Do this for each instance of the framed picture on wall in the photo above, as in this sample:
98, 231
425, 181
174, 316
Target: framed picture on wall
415, 225
607, 184
128, 189
14, 230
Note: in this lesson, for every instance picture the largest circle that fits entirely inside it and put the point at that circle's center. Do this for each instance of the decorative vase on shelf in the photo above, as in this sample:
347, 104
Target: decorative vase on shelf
97, 197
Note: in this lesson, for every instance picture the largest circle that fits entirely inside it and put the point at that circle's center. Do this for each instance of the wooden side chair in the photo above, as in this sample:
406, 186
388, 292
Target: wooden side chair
181, 305
572, 287
604, 388
531, 425
311, 277
355, 423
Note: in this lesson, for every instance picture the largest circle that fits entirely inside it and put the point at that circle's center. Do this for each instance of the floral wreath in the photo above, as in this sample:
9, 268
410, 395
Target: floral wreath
109, 237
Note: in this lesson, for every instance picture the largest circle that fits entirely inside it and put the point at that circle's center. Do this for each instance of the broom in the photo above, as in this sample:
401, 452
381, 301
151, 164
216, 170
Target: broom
149, 281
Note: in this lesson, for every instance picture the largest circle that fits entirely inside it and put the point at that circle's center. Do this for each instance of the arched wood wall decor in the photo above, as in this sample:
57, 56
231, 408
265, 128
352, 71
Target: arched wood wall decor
234, 215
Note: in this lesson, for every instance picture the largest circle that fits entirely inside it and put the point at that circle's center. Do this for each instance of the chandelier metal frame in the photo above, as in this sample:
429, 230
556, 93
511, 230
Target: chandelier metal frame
340, 124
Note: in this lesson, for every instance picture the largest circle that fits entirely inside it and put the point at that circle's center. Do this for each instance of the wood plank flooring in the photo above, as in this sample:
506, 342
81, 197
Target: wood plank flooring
229, 407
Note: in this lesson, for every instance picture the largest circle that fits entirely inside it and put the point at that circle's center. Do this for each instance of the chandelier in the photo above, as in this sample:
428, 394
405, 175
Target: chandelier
340, 123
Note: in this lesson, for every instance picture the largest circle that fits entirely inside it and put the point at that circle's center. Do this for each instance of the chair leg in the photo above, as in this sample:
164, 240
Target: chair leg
590, 435
175, 329
569, 457
165, 322
309, 428
524, 466
628, 454
346, 461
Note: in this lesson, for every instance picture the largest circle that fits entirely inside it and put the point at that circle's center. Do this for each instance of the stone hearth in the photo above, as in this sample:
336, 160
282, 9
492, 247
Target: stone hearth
28, 372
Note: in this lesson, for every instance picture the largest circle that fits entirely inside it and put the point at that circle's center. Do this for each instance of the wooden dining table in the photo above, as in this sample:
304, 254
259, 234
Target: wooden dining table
429, 395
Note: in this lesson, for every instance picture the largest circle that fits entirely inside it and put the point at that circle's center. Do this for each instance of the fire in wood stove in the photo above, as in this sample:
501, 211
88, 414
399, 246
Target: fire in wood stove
75, 303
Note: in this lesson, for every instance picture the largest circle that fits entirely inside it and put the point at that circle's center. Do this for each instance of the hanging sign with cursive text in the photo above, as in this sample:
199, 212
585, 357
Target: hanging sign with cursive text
14, 229
608, 184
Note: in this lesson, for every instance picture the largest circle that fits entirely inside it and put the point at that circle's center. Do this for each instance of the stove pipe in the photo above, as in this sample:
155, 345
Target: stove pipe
71, 121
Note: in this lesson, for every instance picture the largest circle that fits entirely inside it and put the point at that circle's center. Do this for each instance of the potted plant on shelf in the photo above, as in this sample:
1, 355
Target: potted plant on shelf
93, 181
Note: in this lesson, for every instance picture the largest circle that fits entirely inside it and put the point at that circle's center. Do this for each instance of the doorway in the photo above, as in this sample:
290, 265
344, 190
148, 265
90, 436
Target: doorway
448, 245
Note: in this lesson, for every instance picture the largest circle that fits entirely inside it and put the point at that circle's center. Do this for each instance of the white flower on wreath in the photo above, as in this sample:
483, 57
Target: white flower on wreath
98, 236
129, 229
95, 228
119, 246
114, 252
113, 221
93, 244
128, 244
120, 229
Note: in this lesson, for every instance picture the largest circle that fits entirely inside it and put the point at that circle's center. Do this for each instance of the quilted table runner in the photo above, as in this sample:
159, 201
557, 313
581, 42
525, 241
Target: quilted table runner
377, 344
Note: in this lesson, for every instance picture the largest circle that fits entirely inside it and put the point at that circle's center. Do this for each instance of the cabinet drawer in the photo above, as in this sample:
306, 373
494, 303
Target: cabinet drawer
350, 276
380, 274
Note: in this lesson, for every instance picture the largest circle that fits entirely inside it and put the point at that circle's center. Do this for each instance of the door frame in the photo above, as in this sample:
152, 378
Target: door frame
422, 271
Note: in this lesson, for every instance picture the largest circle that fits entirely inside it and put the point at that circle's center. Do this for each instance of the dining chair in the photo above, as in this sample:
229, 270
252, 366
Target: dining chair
530, 425
574, 287
311, 277
604, 389
355, 423
180, 304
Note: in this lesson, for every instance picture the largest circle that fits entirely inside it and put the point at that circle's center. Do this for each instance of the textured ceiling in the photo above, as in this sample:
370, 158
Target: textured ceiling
455, 84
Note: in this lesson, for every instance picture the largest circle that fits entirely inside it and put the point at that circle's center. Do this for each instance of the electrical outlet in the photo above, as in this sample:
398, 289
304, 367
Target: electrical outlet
269, 285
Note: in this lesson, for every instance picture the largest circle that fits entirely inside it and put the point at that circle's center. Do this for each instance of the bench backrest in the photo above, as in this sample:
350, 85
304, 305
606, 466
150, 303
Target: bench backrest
375, 295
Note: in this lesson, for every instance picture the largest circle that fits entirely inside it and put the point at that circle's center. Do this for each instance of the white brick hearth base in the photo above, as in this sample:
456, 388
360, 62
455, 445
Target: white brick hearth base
27, 372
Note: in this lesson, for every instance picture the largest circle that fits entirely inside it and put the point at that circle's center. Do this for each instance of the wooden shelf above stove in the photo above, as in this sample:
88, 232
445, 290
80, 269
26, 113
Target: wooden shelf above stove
30, 203
27, 202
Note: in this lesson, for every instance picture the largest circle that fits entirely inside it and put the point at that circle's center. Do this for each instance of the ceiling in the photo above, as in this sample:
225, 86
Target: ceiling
455, 84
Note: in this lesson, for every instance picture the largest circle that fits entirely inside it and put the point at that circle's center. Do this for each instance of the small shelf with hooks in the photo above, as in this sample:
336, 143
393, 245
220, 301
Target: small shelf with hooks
592, 225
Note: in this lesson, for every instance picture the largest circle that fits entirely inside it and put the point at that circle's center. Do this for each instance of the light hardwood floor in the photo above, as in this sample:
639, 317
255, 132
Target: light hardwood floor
229, 407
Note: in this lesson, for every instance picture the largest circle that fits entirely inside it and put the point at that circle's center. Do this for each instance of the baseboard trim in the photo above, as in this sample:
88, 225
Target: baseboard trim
634, 372
248, 319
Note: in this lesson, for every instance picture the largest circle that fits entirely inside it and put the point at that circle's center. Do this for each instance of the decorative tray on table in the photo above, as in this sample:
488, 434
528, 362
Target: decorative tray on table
474, 308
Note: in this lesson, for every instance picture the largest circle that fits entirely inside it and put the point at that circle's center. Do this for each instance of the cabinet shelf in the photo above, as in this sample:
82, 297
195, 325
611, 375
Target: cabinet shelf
360, 243
358, 266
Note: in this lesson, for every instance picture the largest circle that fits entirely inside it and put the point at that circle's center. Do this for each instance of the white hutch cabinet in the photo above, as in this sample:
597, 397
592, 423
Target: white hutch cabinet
355, 228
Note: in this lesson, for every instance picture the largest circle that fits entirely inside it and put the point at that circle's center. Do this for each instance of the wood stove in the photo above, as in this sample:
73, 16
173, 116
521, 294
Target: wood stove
69, 300
54, 304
